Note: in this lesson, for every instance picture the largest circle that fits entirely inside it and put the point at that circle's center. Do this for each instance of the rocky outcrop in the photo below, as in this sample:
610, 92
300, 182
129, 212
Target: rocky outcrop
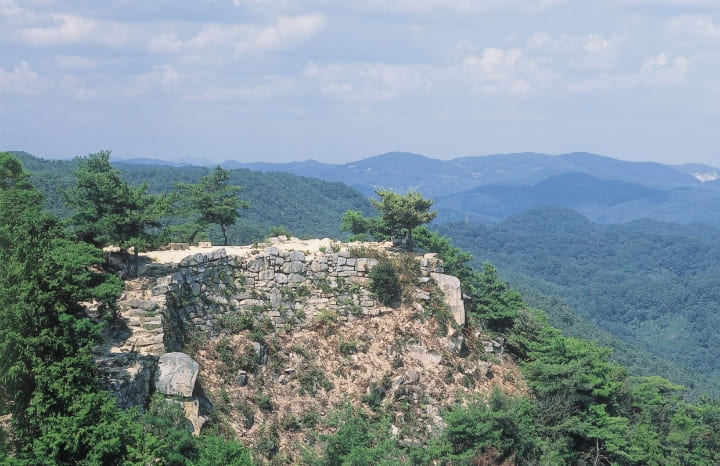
176, 374
175, 378
213, 292
450, 286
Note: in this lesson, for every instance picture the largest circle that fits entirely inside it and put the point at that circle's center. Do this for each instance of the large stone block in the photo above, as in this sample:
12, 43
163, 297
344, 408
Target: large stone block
293, 267
258, 264
176, 374
297, 256
450, 286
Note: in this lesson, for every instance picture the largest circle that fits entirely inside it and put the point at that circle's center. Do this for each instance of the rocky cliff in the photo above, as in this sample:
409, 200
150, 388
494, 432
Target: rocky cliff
286, 329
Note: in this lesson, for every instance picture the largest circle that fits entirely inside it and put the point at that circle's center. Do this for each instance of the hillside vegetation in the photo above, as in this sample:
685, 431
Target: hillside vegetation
557, 399
650, 284
313, 207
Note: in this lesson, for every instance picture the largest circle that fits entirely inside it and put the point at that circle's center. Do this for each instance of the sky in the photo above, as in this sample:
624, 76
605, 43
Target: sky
337, 81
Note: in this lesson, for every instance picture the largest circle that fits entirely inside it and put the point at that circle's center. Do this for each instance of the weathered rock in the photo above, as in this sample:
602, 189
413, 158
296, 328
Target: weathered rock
488, 346
176, 374
293, 267
483, 369
450, 286
318, 266
412, 376
297, 256
261, 353
457, 345
191, 409
419, 353
258, 264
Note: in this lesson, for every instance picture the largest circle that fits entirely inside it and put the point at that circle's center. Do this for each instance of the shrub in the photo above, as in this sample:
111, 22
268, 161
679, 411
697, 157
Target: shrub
347, 348
268, 441
279, 231
311, 378
290, 422
375, 396
247, 414
264, 402
385, 283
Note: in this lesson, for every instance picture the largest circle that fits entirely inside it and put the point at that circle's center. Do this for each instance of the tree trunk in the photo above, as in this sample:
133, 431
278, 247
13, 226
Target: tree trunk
136, 261
193, 235
222, 228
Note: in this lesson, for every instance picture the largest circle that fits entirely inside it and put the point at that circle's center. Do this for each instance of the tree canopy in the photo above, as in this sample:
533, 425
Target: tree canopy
211, 201
403, 211
108, 210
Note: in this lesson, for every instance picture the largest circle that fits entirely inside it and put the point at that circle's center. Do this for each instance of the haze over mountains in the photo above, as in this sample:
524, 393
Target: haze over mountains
490, 188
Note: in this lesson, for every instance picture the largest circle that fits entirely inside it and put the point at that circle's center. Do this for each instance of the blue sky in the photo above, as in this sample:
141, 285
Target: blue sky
280, 80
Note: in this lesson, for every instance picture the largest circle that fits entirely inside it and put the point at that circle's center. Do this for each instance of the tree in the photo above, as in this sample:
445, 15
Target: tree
213, 201
48, 378
110, 211
354, 221
403, 211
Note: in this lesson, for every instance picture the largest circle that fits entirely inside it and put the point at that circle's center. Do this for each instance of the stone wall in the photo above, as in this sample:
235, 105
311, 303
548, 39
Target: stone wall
210, 292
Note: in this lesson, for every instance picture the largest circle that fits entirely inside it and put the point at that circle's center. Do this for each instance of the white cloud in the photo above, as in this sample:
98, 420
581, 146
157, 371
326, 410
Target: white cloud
657, 70
72, 29
698, 26
668, 2
504, 72
460, 6
74, 61
589, 52
662, 69
161, 78
377, 81
270, 87
22, 80
9, 8
284, 32
77, 88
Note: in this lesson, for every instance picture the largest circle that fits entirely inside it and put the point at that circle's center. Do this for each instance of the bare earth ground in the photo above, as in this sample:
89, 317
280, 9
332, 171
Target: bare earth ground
289, 244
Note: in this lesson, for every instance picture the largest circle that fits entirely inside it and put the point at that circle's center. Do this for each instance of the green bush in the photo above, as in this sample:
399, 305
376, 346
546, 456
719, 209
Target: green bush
347, 348
385, 283
264, 402
312, 378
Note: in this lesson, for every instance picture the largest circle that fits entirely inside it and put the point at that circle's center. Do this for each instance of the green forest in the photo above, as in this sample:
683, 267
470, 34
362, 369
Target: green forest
650, 284
303, 206
581, 407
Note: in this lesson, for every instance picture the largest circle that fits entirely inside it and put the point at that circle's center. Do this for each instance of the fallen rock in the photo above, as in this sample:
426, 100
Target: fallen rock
176, 374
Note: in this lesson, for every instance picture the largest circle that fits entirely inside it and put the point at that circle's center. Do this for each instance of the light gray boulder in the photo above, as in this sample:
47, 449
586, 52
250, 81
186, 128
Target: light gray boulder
450, 286
176, 374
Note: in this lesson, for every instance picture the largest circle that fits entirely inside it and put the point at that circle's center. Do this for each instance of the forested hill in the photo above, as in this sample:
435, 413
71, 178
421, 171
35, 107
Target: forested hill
274, 370
651, 284
304, 206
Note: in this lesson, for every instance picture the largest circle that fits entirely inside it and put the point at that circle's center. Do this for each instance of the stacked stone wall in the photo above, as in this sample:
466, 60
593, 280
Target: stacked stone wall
211, 292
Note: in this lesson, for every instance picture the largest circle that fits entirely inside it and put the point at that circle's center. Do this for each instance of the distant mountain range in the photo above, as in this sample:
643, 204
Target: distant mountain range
489, 188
